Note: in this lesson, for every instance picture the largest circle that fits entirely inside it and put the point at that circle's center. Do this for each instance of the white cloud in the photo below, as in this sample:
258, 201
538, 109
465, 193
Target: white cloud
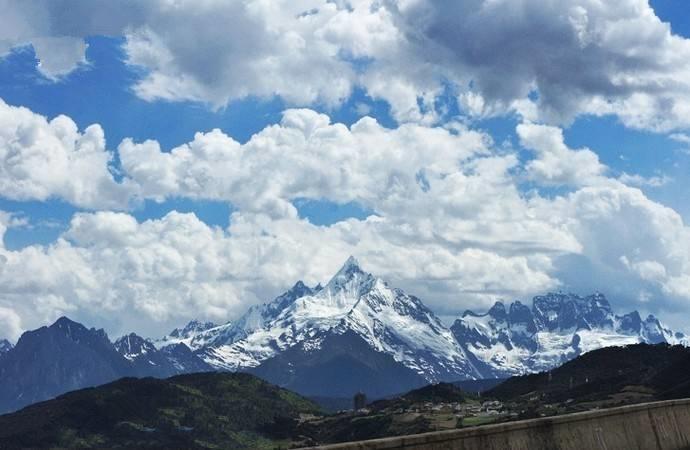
58, 56
575, 57
555, 162
450, 225
10, 323
680, 137
170, 269
630, 243
578, 56
41, 159
640, 181
305, 156
192, 53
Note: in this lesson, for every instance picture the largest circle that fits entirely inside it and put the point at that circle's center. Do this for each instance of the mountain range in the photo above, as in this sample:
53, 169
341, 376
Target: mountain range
354, 333
66, 355
557, 328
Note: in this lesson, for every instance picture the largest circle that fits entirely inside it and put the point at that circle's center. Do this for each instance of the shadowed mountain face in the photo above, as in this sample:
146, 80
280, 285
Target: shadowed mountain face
338, 365
209, 410
56, 359
66, 356
5, 346
147, 360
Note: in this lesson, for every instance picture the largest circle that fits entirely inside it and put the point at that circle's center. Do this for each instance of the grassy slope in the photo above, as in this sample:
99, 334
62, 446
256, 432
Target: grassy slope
207, 410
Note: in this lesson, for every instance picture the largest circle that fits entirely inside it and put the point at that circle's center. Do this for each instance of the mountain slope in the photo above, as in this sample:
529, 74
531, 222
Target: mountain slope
556, 329
194, 335
257, 317
338, 365
149, 361
5, 346
66, 356
387, 319
210, 410
606, 373
56, 359
184, 360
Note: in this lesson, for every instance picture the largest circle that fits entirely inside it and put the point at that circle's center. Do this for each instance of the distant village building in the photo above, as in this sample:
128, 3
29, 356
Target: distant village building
360, 401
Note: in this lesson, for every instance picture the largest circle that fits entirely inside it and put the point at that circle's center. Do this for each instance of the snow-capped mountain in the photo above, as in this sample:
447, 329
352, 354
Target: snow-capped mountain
194, 335
133, 347
356, 332
387, 319
256, 318
164, 362
291, 330
556, 329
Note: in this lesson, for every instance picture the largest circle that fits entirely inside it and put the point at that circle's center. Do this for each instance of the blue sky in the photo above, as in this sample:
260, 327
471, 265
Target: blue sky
448, 106
101, 93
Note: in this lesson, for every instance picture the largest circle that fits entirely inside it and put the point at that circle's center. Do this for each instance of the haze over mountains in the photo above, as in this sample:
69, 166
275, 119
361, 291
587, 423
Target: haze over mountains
355, 332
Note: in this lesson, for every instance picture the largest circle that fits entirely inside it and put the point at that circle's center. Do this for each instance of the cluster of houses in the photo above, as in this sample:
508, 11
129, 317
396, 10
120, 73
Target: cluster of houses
465, 409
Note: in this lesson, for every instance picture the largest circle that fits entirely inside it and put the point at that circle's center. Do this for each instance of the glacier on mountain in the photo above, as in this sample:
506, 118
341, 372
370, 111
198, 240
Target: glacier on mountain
389, 320
557, 328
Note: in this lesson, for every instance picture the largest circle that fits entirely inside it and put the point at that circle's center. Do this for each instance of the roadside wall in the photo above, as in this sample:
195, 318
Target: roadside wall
659, 425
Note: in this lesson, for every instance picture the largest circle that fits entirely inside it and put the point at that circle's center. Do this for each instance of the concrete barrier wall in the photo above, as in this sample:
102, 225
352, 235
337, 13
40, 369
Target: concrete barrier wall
659, 425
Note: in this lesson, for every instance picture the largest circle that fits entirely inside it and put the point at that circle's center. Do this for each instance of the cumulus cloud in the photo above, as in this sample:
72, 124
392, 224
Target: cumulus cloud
576, 56
41, 159
549, 61
555, 163
58, 56
10, 323
449, 224
304, 156
176, 267
629, 242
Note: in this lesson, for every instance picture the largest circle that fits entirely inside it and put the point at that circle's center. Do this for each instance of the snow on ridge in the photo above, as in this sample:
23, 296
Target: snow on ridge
507, 340
389, 320
566, 325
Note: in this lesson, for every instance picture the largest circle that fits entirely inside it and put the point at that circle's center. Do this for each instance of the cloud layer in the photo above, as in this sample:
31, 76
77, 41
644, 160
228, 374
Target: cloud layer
455, 218
549, 61
450, 220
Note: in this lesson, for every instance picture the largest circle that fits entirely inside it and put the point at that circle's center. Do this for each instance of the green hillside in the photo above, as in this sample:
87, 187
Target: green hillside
605, 377
206, 410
